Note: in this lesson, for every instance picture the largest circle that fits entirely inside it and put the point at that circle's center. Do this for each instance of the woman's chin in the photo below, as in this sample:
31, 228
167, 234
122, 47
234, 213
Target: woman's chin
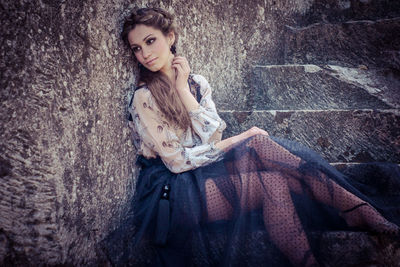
152, 68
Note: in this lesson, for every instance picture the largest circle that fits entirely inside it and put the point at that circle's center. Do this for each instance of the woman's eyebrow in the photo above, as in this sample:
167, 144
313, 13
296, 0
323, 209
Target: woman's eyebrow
144, 39
147, 37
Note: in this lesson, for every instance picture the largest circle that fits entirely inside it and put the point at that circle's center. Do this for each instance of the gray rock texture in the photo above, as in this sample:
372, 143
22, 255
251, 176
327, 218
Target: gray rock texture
66, 155
372, 42
338, 135
314, 87
323, 72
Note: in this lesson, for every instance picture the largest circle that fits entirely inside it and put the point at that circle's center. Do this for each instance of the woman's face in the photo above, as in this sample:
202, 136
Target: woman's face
151, 47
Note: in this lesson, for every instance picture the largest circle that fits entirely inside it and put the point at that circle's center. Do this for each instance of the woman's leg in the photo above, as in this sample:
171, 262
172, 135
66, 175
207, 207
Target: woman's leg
282, 220
354, 210
270, 191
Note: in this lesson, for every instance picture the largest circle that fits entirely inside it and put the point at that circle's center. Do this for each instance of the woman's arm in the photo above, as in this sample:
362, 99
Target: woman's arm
182, 70
157, 134
226, 143
204, 117
205, 120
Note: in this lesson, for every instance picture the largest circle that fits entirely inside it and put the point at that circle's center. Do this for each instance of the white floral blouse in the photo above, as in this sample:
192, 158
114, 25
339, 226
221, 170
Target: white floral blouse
179, 149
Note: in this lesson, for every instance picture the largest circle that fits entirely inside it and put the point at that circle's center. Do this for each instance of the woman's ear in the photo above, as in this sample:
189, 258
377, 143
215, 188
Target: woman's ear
171, 38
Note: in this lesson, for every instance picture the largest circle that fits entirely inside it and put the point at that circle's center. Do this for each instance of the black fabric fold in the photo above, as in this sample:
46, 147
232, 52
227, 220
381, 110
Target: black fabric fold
180, 231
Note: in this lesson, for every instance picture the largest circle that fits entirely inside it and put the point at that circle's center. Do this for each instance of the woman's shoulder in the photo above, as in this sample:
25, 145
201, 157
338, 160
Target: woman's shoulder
140, 86
141, 93
198, 78
200, 81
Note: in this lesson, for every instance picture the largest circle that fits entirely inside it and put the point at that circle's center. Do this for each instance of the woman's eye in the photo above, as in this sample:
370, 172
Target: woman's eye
135, 49
150, 41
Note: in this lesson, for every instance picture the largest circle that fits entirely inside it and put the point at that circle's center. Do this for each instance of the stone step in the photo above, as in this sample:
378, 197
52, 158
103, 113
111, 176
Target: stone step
321, 87
353, 43
335, 11
337, 248
345, 248
337, 135
380, 178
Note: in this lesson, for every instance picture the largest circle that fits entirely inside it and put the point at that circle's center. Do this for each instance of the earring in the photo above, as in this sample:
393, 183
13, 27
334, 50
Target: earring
173, 49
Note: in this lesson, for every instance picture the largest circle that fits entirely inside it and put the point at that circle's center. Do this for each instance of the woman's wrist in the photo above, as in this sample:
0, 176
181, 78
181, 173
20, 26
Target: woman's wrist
182, 86
244, 135
187, 98
231, 141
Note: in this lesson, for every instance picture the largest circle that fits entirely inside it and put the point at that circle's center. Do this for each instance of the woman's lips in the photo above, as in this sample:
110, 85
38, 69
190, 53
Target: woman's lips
151, 62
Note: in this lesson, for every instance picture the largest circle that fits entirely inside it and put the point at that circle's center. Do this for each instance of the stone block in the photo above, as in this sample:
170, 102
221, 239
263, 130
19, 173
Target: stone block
293, 87
352, 43
343, 248
335, 11
337, 135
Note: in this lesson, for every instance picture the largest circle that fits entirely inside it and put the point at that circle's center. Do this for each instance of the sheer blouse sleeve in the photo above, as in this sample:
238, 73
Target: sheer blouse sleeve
205, 120
158, 135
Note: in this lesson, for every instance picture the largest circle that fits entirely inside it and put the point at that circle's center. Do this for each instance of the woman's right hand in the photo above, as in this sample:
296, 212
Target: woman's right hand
254, 131
240, 137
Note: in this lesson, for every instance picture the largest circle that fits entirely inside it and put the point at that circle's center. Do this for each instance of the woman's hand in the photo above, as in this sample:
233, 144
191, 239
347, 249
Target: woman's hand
182, 70
255, 130
249, 133
224, 144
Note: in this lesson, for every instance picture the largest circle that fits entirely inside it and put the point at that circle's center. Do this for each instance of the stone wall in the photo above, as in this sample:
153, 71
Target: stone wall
66, 155
66, 158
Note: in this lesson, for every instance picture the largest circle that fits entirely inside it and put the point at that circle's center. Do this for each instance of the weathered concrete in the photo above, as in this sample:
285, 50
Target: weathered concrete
358, 249
352, 43
334, 11
66, 154
317, 87
338, 135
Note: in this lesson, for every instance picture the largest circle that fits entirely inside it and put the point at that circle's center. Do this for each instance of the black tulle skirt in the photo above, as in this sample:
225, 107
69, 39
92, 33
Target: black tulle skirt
259, 205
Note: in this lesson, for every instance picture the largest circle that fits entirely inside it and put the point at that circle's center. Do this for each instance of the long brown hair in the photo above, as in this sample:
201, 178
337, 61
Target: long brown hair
159, 84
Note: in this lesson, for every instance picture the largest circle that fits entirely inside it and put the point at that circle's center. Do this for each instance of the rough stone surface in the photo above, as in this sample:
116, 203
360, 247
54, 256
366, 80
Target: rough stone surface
335, 11
358, 249
66, 155
351, 43
66, 158
292, 87
338, 135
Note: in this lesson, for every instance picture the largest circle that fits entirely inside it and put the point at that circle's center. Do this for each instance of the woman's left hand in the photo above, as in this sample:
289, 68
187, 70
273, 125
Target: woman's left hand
182, 71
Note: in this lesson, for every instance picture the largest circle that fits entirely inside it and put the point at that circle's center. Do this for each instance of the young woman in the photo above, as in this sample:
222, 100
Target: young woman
194, 188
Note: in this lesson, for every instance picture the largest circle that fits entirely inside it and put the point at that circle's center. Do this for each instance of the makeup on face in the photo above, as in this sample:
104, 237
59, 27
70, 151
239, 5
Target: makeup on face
150, 47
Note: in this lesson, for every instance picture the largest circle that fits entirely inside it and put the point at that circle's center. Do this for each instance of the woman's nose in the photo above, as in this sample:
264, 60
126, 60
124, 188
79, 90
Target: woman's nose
145, 53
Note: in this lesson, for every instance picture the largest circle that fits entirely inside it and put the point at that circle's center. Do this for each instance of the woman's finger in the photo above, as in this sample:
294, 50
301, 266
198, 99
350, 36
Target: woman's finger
179, 57
181, 62
178, 68
255, 130
185, 68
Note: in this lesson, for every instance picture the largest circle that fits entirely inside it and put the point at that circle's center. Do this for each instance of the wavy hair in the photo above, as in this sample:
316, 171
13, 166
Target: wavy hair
159, 84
